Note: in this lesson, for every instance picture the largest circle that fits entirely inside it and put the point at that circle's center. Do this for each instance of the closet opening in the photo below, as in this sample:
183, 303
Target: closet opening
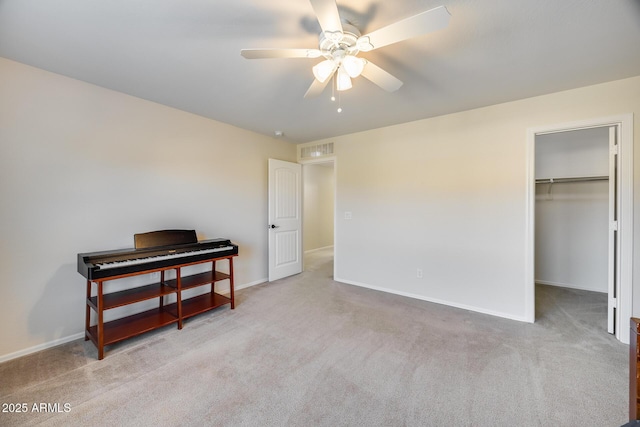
575, 204
579, 226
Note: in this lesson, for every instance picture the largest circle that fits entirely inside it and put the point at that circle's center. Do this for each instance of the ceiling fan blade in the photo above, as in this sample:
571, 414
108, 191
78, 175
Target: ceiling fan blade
422, 23
316, 88
327, 13
380, 77
279, 53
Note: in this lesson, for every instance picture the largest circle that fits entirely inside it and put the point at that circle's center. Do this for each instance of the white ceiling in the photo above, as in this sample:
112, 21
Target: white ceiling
186, 54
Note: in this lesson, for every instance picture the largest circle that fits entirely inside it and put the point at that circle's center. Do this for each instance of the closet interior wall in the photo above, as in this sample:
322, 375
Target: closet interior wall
571, 216
318, 205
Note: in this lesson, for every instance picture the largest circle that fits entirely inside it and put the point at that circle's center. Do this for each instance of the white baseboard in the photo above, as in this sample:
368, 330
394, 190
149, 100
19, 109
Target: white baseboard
568, 285
318, 249
41, 347
248, 285
435, 300
69, 338
225, 290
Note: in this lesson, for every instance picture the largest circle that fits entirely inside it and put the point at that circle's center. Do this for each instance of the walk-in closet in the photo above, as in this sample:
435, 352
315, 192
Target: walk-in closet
575, 201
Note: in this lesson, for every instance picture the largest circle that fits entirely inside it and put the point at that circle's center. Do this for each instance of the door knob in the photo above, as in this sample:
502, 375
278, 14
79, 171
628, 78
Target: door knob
274, 226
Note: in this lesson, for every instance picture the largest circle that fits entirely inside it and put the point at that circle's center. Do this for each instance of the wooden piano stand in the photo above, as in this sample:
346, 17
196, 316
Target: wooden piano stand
105, 333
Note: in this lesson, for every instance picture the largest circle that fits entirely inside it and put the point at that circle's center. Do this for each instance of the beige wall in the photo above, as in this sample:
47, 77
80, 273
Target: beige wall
448, 195
83, 168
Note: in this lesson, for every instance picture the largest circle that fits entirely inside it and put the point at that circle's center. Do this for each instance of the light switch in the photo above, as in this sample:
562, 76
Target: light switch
347, 215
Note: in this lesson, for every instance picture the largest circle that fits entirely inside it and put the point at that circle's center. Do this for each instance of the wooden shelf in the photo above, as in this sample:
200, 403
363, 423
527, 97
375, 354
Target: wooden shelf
195, 280
199, 304
130, 326
105, 333
131, 296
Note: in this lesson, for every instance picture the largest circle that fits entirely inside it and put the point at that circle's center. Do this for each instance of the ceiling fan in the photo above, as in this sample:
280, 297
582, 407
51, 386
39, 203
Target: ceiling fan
340, 42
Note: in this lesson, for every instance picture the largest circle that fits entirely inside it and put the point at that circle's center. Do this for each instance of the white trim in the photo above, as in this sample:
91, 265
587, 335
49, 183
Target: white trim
250, 284
529, 240
225, 289
625, 220
434, 300
326, 159
568, 285
335, 214
310, 251
41, 347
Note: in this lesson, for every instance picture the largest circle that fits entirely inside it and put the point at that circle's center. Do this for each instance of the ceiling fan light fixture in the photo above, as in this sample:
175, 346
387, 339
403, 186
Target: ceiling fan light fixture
324, 70
353, 65
343, 81
340, 42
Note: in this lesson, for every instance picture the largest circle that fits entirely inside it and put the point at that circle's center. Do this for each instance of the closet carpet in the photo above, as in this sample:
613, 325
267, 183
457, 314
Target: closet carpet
308, 351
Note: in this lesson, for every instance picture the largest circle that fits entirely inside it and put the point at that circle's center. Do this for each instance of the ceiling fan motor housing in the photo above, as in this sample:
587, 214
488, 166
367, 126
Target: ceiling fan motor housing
331, 42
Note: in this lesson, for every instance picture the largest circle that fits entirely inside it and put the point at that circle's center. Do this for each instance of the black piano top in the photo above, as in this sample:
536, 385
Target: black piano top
164, 238
146, 247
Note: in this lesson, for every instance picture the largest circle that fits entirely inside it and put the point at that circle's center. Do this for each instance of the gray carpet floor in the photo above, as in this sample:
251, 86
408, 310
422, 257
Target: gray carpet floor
308, 351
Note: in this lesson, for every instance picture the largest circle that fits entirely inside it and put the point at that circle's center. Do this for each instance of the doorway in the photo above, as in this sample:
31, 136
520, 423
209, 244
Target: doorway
318, 212
574, 177
580, 192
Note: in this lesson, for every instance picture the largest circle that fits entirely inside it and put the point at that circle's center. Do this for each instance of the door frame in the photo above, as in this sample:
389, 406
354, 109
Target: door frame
625, 218
334, 160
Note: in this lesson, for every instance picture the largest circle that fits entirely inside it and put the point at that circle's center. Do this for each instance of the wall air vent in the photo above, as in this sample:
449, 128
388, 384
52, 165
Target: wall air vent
315, 151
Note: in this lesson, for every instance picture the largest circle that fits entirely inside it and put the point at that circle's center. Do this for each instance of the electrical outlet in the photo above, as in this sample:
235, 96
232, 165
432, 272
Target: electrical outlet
155, 276
419, 273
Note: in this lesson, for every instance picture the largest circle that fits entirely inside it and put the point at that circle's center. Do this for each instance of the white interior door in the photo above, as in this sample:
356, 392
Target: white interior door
285, 219
613, 232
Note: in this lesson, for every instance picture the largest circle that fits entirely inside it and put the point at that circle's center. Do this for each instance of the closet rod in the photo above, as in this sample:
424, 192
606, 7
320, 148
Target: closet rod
574, 179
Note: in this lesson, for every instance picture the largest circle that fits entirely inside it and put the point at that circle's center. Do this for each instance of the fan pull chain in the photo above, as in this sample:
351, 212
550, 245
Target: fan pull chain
334, 87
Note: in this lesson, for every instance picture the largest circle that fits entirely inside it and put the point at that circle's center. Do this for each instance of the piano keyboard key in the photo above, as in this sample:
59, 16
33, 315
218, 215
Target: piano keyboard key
125, 263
